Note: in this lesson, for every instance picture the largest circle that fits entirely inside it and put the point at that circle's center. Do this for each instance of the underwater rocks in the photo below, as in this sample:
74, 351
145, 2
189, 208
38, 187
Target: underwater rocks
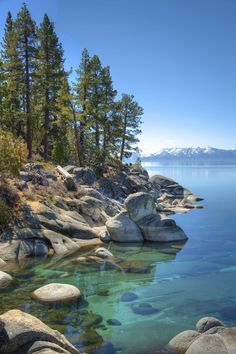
5, 280
129, 296
114, 322
144, 309
103, 253
210, 337
56, 292
23, 333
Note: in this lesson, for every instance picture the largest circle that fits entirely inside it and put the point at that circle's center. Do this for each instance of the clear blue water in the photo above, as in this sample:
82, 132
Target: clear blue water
184, 282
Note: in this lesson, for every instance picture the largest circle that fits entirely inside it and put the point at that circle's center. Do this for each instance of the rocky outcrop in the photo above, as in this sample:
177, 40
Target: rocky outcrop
210, 337
57, 293
139, 205
122, 229
156, 230
23, 333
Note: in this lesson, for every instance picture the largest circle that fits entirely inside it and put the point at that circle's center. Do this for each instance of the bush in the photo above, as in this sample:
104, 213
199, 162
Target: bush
9, 195
13, 153
4, 214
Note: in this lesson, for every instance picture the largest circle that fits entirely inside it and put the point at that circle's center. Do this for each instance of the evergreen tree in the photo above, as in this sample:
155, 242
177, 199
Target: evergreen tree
82, 88
107, 106
95, 100
62, 126
26, 43
2, 92
130, 120
49, 75
12, 68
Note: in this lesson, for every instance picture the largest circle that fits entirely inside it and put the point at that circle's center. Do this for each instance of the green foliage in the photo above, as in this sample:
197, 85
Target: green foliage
85, 124
13, 153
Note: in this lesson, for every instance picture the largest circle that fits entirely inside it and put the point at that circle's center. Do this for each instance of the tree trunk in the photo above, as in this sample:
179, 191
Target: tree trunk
123, 140
46, 126
28, 107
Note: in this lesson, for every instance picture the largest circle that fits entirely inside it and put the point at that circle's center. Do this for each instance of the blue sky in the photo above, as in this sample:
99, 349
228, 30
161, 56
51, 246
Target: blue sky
178, 57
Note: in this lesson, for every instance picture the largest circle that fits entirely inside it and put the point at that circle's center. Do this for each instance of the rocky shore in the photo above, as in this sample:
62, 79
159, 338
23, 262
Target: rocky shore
63, 210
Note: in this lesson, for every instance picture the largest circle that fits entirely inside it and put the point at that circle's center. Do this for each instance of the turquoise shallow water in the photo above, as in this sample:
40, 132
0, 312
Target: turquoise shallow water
181, 282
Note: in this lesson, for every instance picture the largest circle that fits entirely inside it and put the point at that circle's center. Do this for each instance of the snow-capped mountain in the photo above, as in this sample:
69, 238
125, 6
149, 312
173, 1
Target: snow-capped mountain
198, 153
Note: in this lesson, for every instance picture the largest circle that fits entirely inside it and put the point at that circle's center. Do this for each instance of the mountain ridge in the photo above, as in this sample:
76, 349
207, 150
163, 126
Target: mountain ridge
196, 153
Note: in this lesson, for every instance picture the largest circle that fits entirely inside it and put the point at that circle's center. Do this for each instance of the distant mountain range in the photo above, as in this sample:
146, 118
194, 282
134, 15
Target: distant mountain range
193, 154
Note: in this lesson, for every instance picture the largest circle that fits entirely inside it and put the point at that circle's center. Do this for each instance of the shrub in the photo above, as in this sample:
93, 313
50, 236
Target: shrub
4, 214
8, 194
13, 153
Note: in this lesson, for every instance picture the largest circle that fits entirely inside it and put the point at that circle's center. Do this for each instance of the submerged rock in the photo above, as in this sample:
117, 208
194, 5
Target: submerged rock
103, 253
123, 229
56, 292
5, 280
114, 322
145, 309
134, 266
126, 297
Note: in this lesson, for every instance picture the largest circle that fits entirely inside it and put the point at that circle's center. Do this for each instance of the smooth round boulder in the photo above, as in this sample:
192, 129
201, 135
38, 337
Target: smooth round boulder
122, 229
139, 205
5, 280
205, 323
208, 344
56, 292
182, 341
102, 252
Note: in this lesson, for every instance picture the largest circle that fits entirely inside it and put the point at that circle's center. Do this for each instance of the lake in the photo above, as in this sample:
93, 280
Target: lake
181, 282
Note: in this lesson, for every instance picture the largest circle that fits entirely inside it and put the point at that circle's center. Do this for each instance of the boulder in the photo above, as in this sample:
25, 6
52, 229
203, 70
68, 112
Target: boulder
182, 341
156, 230
122, 229
94, 208
69, 168
60, 243
105, 237
205, 323
23, 330
103, 253
208, 344
5, 280
139, 205
56, 292
229, 337
2, 263
43, 347
84, 175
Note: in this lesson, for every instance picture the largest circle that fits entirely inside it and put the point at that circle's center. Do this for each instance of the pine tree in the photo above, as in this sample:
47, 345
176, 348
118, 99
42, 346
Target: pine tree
26, 43
2, 92
95, 100
107, 105
49, 75
81, 88
130, 120
62, 127
12, 68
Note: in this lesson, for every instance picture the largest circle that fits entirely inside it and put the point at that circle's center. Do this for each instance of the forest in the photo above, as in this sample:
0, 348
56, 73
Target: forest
44, 115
